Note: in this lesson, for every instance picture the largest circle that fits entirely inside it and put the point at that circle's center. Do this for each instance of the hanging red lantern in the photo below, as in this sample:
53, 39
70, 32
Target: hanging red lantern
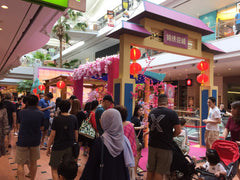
41, 87
135, 68
35, 90
135, 54
61, 84
202, 78
202, 66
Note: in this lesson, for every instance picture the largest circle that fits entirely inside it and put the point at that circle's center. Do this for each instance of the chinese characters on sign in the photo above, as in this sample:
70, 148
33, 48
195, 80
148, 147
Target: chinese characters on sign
175, 39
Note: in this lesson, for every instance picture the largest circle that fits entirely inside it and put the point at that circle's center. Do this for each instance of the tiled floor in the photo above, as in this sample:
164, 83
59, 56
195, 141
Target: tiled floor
8, 168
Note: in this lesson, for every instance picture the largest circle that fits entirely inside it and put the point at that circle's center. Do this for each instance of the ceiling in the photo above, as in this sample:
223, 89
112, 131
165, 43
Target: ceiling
197, 8
26, 27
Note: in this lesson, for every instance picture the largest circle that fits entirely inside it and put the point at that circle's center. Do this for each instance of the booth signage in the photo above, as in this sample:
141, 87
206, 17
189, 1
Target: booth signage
55, 4
79, 5
175, 39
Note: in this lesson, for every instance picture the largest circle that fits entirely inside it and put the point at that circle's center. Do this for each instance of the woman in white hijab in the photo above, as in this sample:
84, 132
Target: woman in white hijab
110, 154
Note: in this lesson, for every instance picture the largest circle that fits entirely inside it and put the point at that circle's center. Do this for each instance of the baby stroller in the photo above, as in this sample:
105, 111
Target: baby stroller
229, 154
183, 166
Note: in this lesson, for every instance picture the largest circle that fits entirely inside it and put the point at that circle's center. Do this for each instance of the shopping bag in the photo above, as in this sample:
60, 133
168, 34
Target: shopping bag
87, 129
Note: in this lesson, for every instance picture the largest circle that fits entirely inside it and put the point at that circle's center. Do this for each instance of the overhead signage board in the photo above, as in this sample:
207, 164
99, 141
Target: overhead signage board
79, 5
176, 39
55, 4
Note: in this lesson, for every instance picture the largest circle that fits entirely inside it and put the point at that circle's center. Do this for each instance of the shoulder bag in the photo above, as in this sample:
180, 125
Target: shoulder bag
86, 129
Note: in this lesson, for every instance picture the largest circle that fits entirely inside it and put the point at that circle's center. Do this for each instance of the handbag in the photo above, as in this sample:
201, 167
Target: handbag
86, 129
75, 149
138, 143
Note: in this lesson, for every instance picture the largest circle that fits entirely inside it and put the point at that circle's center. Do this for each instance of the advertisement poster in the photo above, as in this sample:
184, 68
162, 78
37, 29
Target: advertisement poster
170, 94
125, 6
110, 15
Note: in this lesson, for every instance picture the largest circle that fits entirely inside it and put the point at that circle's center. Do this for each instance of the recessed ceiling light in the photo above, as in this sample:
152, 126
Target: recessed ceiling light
1, 29
229, 69
4, 7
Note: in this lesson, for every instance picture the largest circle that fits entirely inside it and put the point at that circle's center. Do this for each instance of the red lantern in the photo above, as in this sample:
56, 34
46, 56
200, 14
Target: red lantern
135, 68
41, 87
202, 66
35, 90
61, 84
135, 54
202, 78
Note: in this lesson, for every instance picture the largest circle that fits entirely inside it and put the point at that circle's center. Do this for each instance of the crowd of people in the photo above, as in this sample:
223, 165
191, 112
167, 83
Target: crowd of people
115, 149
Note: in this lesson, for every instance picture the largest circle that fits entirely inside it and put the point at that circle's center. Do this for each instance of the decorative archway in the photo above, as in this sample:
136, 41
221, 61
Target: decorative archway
165, 30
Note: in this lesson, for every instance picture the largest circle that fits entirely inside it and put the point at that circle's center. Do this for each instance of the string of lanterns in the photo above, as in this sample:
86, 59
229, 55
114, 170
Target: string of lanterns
135, 67
202, 78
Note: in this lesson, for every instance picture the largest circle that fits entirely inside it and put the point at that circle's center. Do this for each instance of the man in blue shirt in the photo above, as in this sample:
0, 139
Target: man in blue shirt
27, 149
237, 22
107, 103
45, 108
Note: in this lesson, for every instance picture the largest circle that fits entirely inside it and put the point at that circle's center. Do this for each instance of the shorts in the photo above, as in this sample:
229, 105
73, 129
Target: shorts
46, 124
210, 137
24, 154
159, 160
58, 156
237, 27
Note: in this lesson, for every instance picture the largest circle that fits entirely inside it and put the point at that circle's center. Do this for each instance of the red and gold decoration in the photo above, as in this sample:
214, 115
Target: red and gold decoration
135, 67
35, 90
41, 87
61, 84
135, 54
202, 78
202, 66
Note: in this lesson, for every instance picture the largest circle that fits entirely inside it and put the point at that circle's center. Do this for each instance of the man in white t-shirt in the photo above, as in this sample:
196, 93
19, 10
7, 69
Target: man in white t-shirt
214, 118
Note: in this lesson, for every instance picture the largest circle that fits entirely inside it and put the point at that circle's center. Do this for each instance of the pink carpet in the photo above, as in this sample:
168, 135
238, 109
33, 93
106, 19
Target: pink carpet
195, 150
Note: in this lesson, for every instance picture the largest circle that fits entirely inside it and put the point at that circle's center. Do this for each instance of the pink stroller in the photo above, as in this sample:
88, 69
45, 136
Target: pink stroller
229, 154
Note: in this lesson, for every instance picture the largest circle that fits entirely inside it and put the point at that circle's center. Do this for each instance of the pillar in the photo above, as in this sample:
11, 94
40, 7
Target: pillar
113, 73
78, 89
123, 86
206, 91
146, 101
64, 92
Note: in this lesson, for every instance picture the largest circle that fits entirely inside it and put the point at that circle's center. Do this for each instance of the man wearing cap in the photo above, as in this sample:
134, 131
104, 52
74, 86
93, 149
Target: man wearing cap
45, 108
107, 103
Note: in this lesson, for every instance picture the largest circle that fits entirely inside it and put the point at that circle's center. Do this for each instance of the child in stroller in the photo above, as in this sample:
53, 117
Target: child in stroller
223, 166
213, 164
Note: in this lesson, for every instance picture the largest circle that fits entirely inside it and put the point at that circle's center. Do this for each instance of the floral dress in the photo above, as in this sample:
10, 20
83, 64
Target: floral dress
4, 130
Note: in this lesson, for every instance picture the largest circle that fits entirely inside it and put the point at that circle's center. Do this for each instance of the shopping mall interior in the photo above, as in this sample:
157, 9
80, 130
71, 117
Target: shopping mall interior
34, 53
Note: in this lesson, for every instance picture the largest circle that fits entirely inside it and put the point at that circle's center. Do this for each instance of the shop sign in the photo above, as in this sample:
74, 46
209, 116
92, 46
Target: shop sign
79, 5
176, 39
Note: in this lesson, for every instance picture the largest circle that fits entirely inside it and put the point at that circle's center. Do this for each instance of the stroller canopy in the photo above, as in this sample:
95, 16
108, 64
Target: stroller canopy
227, 151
